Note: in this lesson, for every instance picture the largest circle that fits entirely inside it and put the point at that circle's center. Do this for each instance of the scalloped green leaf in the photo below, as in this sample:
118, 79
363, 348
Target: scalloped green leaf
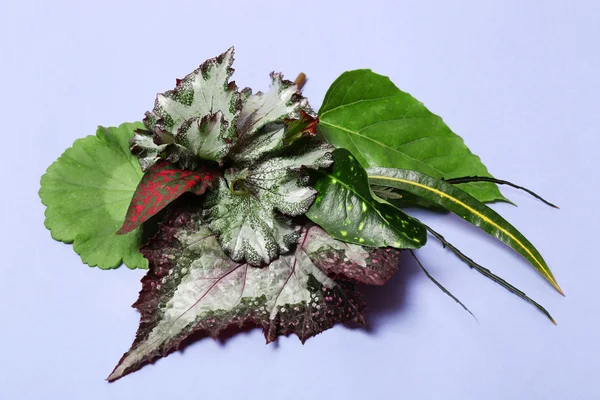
87, 192
383, 126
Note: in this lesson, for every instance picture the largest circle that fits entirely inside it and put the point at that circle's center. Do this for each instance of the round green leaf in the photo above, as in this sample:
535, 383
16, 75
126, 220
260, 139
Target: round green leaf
87, 192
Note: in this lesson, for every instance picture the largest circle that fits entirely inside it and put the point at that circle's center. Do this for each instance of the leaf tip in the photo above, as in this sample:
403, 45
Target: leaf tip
555, 284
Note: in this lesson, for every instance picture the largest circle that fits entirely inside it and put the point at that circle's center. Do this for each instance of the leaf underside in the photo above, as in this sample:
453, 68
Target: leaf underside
193, 286
384, 127
162, 183
464, 205
87, 192
346, 209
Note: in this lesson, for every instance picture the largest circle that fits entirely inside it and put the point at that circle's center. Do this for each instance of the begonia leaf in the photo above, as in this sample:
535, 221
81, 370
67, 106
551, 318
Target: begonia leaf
193, 286
249, 208
197, 118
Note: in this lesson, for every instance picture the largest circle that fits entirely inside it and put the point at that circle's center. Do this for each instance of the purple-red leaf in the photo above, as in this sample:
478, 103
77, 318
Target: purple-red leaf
161, 184
340, 260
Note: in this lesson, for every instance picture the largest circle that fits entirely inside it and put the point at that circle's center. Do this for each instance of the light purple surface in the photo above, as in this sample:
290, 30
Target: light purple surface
519, 80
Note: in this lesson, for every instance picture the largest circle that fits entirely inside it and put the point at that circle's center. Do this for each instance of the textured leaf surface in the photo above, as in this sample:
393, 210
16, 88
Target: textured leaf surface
248, 208
197, 117
87, 192
346, 209
384, 127
193, 286
160, 185
371, 266
268, 120
282, 101
464, 205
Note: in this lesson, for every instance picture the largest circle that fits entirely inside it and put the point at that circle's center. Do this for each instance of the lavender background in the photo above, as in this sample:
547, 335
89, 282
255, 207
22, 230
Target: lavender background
519, 80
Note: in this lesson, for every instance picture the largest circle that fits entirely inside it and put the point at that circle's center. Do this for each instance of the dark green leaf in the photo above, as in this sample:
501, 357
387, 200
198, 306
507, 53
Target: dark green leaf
464, 205
384, 127
488, 274
466, 179
440, 286
346, 209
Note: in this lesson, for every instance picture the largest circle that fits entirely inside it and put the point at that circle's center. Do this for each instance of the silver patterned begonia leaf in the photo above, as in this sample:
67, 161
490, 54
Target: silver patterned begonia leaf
198, 115
193, 286
248, 208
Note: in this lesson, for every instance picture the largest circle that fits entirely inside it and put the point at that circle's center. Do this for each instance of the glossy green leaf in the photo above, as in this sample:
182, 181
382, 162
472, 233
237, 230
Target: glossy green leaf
346, 209
440, 286
464, 205
385, 127
87, 192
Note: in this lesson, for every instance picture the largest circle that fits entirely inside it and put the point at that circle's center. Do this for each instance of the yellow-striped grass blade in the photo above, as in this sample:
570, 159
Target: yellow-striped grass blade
464, 205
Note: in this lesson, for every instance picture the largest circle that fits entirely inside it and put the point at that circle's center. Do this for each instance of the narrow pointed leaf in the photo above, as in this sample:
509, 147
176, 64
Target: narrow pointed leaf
192, 286
489, 274
464, 205
162, 184
346, 209
467, 179
383, 126
440, 286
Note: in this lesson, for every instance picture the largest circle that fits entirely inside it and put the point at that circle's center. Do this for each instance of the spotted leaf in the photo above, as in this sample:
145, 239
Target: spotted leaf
249, 208
371, 266
193, 286
346, 209
160, 185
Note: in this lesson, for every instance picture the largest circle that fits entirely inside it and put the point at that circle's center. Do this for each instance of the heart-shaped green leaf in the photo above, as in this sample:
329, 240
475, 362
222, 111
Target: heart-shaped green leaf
464, 205
346, 209
385, 127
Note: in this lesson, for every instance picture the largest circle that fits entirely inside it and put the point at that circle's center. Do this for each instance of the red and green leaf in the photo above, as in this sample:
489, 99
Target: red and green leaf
192, 286
161, 184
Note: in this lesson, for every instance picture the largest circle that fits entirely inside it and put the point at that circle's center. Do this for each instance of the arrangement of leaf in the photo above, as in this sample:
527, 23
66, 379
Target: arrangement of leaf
250, 208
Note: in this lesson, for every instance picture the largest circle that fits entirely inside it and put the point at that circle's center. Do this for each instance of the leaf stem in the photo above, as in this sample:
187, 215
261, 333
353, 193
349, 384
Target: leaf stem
468, 179
300, 80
